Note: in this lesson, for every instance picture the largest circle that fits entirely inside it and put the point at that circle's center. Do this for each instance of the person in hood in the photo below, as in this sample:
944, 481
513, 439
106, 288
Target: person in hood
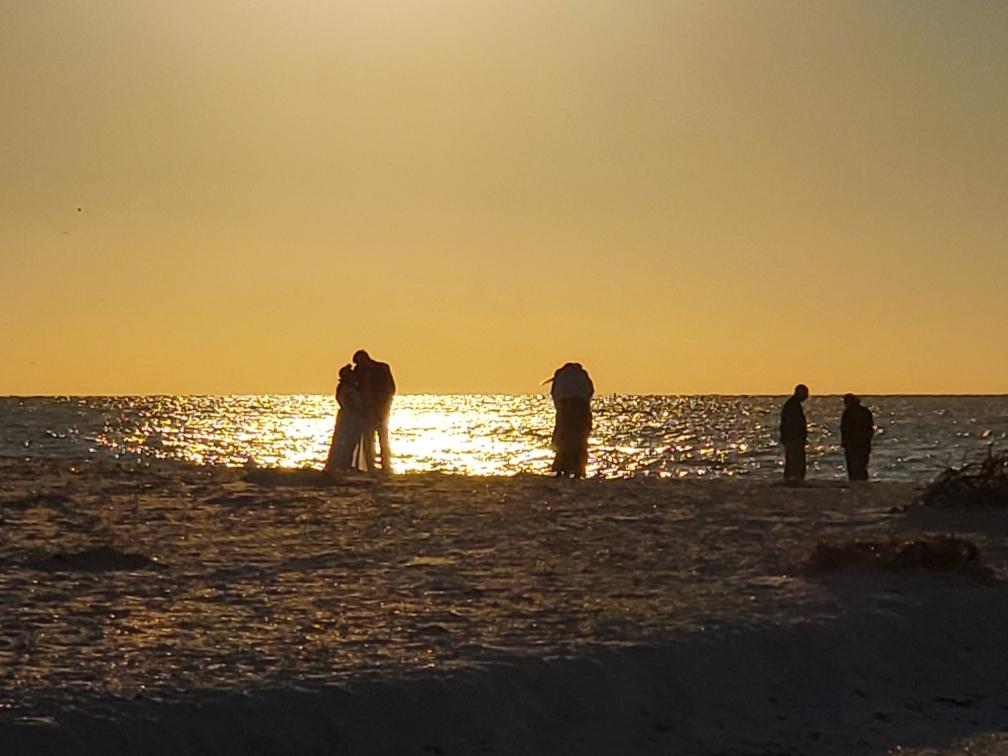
572, 390
857, 427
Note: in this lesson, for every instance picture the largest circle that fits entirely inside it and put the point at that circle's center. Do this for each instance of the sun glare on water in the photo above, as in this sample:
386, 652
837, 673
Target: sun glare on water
477, 435
663, 436
432, 434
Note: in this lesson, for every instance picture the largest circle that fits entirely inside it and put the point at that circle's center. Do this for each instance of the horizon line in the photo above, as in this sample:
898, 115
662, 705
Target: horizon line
830, 394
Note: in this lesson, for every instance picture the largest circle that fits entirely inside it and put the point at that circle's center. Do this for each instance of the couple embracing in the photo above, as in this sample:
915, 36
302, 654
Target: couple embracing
364, 395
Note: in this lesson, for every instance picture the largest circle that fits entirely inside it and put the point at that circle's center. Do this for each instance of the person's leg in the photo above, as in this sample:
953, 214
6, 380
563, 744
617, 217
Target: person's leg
584, 432
383, 435
557, 466
794, 462
861, 464
561, 439
558, 462
330, 464
383, 445
566, 462
367, 448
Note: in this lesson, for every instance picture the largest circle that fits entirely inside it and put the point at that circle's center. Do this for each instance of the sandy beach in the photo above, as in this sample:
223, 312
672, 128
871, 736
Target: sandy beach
167, 608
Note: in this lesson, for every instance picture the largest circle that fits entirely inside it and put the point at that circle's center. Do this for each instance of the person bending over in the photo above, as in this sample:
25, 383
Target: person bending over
571, 391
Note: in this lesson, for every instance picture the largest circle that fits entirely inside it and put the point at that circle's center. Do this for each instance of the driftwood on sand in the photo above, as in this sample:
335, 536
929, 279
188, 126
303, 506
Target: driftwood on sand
938, 553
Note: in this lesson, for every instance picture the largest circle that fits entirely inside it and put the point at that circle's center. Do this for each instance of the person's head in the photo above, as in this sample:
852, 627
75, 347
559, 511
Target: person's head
801, 391
849, 400
361, 358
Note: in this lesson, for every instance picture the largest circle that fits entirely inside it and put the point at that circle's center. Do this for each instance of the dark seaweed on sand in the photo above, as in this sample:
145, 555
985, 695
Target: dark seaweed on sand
974, 484
97, 559
938, 553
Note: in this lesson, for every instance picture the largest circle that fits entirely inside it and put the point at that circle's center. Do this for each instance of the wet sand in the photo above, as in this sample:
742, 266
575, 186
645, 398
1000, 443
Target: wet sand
178, 609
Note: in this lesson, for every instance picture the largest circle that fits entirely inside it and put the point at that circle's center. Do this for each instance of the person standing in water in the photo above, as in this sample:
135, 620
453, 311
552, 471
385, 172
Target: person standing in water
571, 391
794, 434
378, 388
857, 426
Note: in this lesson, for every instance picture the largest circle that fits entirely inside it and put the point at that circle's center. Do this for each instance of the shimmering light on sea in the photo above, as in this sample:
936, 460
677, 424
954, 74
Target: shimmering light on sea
664, 436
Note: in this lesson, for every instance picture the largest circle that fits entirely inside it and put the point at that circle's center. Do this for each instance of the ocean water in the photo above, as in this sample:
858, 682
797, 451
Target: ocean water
666, 436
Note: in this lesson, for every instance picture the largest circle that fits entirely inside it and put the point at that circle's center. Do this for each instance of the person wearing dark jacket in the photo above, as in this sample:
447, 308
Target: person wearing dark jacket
794, 434
857, 426
378, 388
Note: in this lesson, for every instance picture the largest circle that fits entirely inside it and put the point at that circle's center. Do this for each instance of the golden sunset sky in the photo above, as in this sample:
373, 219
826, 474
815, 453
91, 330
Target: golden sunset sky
224, 196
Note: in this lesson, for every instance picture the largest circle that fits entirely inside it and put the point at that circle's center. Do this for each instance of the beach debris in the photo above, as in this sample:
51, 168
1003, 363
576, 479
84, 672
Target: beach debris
237, 500
431, 561
981, 483
938, 553
97, 559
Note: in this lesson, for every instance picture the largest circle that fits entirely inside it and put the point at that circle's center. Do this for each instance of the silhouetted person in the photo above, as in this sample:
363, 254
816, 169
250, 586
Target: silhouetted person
378, 388
857, 426
350, 449
794, 434
572, 391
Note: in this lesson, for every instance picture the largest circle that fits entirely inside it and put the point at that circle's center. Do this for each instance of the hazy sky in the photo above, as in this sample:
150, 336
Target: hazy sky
702, 196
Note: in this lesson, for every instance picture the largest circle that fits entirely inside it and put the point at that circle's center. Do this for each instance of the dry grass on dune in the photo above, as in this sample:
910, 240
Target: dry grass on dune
974, 484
